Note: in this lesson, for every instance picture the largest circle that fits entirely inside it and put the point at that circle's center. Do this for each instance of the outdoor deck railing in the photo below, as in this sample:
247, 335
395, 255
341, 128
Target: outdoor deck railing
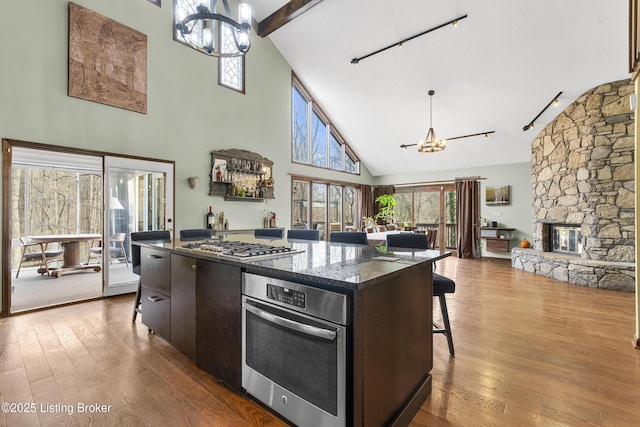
450, 237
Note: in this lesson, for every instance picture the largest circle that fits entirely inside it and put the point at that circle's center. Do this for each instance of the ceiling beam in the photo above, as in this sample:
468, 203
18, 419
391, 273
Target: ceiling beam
283, 15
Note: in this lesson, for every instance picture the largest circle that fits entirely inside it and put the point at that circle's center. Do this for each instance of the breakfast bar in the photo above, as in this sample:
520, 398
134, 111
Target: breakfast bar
321, 333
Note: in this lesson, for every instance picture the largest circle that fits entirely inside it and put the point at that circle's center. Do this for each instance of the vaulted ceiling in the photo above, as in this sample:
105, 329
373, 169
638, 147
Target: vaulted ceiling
495, 71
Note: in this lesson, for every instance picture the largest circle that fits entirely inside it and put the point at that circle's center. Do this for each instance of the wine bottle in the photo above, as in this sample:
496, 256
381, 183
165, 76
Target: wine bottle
211, 218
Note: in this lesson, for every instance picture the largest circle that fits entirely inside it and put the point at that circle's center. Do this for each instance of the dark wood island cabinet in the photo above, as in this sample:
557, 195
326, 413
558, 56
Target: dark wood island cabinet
156, 290
218, 329
388, 329
183, 301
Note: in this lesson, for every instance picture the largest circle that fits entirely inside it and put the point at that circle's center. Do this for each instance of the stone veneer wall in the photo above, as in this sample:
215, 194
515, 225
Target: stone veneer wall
583, 173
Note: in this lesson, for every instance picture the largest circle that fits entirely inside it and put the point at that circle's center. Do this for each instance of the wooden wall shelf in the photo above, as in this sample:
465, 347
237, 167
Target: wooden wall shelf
238, 174
497, 238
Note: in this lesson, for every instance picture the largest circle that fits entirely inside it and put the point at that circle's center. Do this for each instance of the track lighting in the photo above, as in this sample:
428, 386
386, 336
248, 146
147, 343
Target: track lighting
453, 22
554, 101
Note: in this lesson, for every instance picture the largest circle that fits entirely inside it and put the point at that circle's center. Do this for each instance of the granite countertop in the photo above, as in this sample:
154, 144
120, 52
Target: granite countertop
335, 264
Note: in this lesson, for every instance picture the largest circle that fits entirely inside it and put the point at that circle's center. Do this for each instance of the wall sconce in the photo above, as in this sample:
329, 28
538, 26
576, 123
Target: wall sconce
193, 181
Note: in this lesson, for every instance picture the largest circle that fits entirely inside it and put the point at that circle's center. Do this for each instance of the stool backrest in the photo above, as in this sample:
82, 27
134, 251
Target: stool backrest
353, 237
138, 236
304, 234
408, 240
269, 232
196, 234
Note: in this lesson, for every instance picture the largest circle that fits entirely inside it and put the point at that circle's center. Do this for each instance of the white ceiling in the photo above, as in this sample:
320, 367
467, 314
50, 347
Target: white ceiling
496, 71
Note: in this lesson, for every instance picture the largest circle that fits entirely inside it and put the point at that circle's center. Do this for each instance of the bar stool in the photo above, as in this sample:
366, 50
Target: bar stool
193, 234
305, 234
441, 285
268, 233
161, 236
353, 237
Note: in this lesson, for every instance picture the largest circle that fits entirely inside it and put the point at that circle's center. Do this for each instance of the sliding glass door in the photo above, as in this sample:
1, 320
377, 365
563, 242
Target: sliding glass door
139, 198
430, 208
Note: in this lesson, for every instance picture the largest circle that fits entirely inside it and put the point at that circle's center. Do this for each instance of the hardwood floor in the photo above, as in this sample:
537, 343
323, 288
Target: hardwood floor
529, 351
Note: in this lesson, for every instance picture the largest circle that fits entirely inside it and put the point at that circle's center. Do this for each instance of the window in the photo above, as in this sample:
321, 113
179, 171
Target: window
315, 141
300, 126
334, 206
318, 141
230, 70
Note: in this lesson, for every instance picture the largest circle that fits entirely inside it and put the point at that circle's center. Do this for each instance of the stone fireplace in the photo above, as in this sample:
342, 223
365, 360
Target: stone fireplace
583, 193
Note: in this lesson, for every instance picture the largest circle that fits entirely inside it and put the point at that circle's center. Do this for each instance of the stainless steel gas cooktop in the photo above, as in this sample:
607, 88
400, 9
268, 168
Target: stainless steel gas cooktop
241, 251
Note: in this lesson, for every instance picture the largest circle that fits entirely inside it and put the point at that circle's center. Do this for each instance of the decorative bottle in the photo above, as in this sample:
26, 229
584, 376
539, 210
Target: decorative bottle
211, 218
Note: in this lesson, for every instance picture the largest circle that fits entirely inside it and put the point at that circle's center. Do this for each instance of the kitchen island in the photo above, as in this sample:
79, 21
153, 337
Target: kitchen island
194, 299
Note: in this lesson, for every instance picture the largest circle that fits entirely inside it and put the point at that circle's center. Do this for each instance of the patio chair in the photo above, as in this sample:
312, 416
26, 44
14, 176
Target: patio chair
116, 251
37, 254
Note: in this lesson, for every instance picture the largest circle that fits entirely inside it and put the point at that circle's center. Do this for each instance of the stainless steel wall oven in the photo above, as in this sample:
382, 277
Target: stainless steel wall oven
294, 349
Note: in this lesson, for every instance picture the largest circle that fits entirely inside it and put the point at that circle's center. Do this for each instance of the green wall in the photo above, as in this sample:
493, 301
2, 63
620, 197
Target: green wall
518, 214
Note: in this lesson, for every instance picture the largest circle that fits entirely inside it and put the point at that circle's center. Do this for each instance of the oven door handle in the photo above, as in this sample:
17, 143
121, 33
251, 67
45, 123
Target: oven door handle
325, 334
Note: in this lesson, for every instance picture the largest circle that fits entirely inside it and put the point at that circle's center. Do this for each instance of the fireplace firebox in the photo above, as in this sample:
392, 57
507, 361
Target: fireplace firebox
565, 239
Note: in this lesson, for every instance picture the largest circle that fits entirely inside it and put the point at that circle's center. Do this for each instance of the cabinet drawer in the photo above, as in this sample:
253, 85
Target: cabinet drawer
156, 311
155, 269
498, 245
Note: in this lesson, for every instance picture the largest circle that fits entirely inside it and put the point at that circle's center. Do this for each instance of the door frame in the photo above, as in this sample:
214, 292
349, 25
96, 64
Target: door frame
7, 162
442, 189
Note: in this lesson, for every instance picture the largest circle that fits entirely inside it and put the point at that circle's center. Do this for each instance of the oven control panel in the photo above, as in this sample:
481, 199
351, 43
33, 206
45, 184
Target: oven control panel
288, 296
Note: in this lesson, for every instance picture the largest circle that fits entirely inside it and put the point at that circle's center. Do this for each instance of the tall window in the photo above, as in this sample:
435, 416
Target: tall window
315, 141
333, 206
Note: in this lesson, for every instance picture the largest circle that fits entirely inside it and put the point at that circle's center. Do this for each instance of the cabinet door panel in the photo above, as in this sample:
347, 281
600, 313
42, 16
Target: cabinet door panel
183, 304
156, 311
155, 269
218, 321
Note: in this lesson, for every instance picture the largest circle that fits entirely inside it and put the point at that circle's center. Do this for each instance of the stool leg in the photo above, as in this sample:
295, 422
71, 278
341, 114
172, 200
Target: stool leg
445, 320
136, 307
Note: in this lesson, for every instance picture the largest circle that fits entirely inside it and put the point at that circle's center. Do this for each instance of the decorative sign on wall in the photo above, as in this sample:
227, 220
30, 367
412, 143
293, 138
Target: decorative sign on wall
107, 61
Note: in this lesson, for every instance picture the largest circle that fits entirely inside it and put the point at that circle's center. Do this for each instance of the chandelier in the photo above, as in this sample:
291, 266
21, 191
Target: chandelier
214, 32
431, 144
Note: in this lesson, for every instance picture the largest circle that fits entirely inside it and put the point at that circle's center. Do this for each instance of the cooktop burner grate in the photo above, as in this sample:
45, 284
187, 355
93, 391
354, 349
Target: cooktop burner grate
239, 250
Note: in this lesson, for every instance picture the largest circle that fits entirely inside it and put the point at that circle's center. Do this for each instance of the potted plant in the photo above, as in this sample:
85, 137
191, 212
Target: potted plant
387, 203
368, 223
